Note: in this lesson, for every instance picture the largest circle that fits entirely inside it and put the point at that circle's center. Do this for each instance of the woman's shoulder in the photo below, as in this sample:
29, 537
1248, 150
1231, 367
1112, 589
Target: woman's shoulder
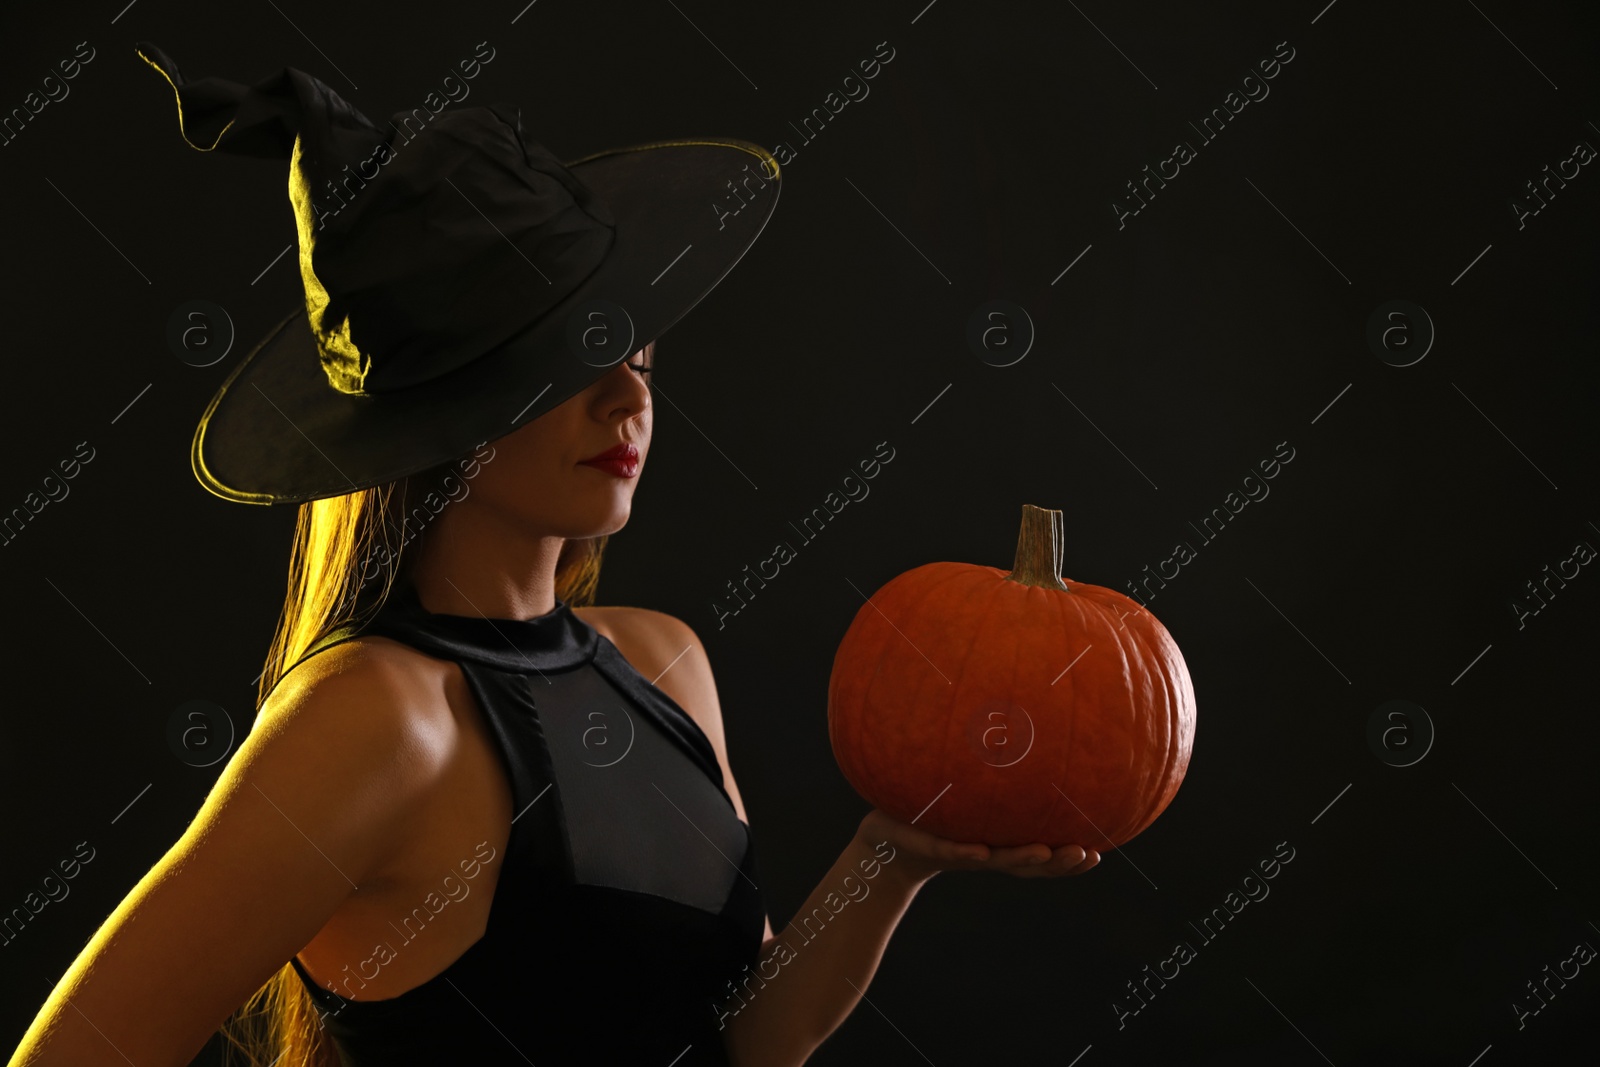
640, 634
367, 670
346, 649
603, 617
376, 708
667, 652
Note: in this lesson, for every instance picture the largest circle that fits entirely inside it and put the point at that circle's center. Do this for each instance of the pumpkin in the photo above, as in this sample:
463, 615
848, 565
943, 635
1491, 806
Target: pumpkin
1012, 707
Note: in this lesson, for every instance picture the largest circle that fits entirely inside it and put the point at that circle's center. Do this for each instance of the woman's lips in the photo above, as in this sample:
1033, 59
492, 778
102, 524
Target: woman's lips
622, 468
622, 461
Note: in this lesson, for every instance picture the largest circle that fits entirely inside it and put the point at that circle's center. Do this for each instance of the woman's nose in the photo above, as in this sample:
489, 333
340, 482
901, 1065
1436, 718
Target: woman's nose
624, 382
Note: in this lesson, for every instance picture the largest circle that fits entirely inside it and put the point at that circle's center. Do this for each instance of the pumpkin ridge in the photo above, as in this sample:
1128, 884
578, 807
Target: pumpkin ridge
862, 725
1175, 733
1128, 647
1072, 727
1142, 676
1172, 734
950, 723
988, 607
1132, 680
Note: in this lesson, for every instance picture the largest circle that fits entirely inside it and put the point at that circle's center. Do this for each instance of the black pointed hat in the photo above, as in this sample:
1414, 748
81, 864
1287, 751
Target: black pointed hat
459, 279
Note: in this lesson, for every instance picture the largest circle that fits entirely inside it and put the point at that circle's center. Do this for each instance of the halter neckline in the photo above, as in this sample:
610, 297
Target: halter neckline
556, 640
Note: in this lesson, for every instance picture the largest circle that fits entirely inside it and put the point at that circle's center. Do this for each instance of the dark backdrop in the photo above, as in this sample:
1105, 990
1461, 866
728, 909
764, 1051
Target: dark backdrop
1185, 344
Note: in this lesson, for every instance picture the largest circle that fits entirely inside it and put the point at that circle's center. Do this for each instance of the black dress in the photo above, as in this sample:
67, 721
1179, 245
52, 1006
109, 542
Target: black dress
627, 907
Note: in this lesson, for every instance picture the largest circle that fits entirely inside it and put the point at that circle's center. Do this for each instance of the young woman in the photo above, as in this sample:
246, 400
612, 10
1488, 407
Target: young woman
372, 773
477, 818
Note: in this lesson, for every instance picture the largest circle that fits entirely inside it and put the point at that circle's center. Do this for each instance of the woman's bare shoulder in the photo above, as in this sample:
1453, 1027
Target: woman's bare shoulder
368, 669
597, 616
367, 658
625, 627
648, 639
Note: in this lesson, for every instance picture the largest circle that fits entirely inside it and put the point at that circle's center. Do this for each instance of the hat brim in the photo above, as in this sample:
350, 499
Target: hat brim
276, 432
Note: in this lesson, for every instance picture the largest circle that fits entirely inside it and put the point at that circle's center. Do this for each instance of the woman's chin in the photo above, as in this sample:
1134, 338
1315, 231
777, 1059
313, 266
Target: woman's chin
608, 523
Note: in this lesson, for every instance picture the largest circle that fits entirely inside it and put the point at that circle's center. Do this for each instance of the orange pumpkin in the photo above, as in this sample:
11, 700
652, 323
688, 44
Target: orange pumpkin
1012, 707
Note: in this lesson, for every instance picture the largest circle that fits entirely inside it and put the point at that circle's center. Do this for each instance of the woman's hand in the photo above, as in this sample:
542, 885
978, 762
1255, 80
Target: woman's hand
919, 855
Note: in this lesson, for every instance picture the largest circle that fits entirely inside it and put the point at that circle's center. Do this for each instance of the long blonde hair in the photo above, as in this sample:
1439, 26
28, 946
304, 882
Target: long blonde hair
335, 542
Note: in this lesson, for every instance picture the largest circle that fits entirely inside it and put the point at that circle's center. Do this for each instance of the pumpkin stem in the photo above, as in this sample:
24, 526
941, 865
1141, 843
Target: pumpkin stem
1039, 545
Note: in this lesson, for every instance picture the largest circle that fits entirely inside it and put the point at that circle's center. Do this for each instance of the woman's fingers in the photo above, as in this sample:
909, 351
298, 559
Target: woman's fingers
1027, 861
928, 851
1024, 856
1066, 860
1089, 861
1056, 863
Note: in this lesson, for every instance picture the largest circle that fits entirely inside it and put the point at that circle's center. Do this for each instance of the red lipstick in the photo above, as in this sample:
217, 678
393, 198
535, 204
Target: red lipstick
621, 460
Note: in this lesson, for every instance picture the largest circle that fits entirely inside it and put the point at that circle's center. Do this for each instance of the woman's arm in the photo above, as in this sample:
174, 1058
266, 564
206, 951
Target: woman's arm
812, 974
814, 970
809, 977
312, 803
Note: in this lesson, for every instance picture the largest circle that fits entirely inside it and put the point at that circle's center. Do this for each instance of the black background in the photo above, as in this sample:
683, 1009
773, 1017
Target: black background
1228, 316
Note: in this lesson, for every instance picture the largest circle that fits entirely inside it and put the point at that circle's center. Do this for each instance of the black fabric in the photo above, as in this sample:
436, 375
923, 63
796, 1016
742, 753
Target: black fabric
459, 280
406, 282
627, 907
